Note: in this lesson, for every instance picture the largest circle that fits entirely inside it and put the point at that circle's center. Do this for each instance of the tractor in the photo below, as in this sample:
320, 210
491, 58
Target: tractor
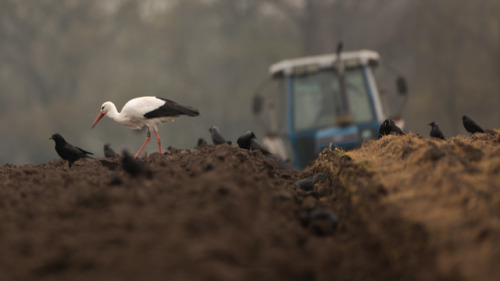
329, 100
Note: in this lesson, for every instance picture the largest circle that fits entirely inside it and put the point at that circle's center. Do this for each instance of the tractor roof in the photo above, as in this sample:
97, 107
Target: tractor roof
314, 63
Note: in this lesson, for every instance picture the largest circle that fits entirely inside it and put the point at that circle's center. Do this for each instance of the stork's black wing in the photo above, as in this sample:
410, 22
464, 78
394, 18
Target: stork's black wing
171, 109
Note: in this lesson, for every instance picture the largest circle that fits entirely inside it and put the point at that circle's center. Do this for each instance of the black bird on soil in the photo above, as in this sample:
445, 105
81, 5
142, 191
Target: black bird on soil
385, 128
308, 183
320, 221
201, 142
133, 166
389, 127
108, 152
471, 126
255, 145
217, 138
249, 141
68, 151
435, 131
171, 149
245, 140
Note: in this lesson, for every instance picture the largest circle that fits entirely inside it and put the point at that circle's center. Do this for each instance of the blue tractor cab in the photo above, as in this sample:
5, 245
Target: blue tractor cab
328, 100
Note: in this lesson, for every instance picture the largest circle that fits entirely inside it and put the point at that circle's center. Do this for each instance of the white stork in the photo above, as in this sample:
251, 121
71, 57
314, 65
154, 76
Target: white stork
145, 112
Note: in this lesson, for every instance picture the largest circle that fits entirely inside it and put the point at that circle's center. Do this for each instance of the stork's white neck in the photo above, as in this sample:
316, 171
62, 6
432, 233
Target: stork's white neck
113, 113
124, 117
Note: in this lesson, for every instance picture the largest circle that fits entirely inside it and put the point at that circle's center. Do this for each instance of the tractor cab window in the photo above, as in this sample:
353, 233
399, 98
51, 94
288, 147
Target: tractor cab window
317, 99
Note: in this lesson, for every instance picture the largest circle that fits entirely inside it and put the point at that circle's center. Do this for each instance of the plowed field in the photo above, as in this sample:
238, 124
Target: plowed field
408, 208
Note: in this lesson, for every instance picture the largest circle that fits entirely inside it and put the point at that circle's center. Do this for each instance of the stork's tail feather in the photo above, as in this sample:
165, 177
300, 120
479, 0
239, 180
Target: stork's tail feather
186, 109
189, 110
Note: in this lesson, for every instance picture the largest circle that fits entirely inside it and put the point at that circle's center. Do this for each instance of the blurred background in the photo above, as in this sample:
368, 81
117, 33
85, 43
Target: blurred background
61, 59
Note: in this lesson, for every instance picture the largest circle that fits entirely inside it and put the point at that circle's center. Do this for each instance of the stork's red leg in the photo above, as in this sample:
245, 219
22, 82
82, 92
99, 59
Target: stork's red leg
144, 145
157, 140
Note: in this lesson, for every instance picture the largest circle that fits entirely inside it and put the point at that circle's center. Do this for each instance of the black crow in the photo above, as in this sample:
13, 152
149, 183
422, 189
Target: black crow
435, 131
133, 166
171, 149
68, 151
471, 126
108, 152
245, 140
249, 141
389, 127
395, 130
255, 145
340, 46
283, 164
201, 142
217, 138
110, 164
327, 215
116, 180
321, 222
308, 183
385, 128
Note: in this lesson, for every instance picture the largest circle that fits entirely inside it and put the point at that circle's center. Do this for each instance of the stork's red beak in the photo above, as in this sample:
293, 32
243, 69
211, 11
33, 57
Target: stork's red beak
97, 119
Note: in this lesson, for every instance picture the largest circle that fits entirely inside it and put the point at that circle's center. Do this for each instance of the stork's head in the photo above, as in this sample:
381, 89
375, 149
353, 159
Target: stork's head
105, 108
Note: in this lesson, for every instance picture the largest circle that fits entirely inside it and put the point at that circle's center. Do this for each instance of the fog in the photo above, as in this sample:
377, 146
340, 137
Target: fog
61, 59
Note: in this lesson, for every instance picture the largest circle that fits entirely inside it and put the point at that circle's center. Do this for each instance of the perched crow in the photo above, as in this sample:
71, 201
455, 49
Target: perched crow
308, 183
68, 151
385, 128
133, 166
283, 164
395, 130
320, 221
389, 127
201, 142
171, 149
245, 140
255, 145
108, 152
340, 46
217, 138
110, 164
249, 141
471, 126
435, 132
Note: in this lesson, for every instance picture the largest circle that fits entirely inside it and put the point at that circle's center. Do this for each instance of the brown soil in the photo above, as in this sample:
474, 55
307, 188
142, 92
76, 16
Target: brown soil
408, 208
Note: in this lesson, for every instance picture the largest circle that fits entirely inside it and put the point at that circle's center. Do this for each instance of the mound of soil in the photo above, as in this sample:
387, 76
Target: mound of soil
399, 208
450, 189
